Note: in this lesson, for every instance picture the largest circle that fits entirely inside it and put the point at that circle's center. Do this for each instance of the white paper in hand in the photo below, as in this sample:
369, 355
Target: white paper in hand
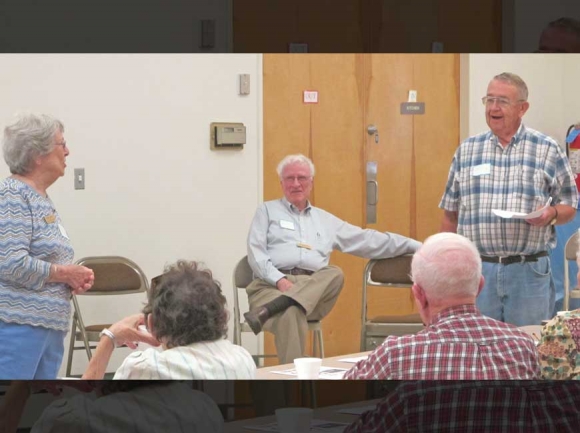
521, 215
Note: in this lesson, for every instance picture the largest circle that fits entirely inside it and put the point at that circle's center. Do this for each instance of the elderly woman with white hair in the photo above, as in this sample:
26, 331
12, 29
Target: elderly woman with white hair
36, 274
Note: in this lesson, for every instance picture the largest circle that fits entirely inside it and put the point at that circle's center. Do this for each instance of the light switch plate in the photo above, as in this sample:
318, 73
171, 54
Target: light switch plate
244, 84
79, 178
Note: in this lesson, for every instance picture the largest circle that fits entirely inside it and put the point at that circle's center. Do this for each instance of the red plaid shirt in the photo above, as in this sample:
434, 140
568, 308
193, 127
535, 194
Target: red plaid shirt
475, 406
460, 344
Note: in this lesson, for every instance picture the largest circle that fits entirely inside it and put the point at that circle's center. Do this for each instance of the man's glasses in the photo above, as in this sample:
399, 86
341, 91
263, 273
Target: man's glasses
63, 144
300, 179
502, 102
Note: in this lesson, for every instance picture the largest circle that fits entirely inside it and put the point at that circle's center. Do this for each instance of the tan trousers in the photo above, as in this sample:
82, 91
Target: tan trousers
316, 293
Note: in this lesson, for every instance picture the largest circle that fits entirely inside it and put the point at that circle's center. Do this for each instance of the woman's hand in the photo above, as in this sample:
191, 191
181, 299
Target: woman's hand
127, 332
79, 278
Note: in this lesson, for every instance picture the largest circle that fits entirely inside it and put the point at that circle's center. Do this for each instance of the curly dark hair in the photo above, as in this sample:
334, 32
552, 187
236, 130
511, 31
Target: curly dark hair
187, 305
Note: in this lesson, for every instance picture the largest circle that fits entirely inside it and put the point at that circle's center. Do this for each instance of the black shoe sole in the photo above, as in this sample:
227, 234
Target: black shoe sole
253, 323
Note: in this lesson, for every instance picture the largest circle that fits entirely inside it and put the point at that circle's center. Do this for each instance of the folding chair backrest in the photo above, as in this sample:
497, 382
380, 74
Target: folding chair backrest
390, 272
394, 271
241, 278
571, 247
115, 275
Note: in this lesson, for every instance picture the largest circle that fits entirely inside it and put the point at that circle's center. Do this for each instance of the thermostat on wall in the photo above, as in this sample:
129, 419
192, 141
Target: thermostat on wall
227, 135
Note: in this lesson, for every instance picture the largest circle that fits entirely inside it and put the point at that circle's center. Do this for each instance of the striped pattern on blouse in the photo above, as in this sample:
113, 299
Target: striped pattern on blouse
219, 359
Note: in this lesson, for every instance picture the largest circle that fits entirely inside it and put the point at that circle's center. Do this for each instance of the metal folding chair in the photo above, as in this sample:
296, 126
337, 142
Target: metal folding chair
570, 252
114, 275
392, 272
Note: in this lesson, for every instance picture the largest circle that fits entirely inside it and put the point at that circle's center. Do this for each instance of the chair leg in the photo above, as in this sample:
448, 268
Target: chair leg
321, 344
71, 346
314, 341
308, 391
313, 399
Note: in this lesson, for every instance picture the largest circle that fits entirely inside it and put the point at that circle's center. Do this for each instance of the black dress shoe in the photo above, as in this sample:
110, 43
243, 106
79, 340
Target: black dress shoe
256, 319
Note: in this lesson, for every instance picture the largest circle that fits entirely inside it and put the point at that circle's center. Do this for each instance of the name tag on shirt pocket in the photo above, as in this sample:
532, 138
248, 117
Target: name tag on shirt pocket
481, 169
289, 225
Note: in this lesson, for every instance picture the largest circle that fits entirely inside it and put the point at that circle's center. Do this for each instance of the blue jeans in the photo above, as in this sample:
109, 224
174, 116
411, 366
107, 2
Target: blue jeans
519, 293
30, 352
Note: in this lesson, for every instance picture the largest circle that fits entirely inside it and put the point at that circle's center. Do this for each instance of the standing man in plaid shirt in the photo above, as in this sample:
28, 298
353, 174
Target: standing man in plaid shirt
512, 168
458, 342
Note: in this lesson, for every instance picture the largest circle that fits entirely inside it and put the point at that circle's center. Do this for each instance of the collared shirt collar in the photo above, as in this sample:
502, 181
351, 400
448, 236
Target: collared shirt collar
454, 311
293, 208
520, 133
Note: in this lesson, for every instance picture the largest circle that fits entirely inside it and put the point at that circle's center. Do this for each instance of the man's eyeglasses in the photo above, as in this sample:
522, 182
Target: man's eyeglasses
63, 144
300, 179
502, 102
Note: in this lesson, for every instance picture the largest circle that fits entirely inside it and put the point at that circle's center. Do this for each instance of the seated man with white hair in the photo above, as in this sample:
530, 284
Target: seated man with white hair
458, 343
289, 247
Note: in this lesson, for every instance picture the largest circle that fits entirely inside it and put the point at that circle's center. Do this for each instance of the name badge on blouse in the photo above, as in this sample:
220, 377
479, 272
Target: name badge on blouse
62, 231
50, 218
481, 169
303, 245
287, 225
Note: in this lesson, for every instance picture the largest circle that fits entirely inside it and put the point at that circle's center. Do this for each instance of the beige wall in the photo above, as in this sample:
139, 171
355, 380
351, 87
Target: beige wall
552, 84
139, 125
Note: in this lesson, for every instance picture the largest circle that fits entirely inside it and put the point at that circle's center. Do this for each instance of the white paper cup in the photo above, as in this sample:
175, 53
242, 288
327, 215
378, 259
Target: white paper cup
307, 368
294, 419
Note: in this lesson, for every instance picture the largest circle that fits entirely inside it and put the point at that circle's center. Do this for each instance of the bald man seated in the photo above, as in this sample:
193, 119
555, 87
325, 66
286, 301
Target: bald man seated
458, 342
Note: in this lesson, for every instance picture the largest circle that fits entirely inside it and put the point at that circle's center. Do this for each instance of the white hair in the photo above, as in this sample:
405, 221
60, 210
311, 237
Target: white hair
29, 137
447, 265
516, 81
294, 159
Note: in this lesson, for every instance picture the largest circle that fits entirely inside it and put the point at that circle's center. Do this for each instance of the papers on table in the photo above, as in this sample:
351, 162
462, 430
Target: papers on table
354, 360
521, 215
317, 425
357, 410
332, 373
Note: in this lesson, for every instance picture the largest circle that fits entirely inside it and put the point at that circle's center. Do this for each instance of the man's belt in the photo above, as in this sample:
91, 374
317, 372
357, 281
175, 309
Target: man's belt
508, 260
296, 271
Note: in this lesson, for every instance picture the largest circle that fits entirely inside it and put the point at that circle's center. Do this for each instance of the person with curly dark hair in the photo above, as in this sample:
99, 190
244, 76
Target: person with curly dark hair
186, 317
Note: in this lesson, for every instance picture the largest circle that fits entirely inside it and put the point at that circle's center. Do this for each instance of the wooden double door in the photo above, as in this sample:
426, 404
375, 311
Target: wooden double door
412, 154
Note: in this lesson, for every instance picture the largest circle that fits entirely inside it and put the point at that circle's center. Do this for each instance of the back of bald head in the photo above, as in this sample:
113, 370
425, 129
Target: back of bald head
447, 266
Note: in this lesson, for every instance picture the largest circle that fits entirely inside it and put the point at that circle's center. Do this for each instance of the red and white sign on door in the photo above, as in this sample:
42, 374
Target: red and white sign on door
310, 97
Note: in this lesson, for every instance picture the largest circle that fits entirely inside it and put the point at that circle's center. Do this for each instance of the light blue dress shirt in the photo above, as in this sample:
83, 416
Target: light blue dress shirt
282, 237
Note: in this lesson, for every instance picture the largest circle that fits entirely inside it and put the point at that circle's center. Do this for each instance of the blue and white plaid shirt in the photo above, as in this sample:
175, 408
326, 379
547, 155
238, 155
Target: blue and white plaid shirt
518, 178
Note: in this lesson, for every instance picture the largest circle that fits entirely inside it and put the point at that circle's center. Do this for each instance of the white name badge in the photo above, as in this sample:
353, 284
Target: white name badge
287, 225
62, 231
481, 169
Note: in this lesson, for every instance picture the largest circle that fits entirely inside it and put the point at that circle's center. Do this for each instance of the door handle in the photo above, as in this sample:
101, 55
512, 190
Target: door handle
372, 190
373, 130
